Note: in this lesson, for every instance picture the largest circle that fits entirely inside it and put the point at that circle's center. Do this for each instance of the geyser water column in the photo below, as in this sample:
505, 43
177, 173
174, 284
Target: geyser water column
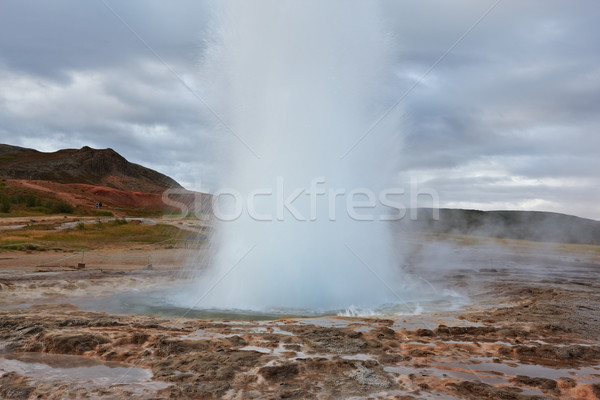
298, 83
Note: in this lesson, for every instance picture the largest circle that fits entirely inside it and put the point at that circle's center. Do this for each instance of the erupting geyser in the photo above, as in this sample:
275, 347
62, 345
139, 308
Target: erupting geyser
299, 84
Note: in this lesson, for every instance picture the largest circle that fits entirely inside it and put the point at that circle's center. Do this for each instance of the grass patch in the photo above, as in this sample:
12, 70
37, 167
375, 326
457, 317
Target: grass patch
90, 236
103, 214
60, 207
41, 209
4, 205
18, 201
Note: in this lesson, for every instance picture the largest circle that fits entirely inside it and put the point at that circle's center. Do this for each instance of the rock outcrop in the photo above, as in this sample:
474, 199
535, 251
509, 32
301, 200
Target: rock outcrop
99, 167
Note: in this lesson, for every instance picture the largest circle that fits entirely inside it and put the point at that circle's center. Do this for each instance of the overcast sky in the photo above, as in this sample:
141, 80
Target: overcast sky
508, 119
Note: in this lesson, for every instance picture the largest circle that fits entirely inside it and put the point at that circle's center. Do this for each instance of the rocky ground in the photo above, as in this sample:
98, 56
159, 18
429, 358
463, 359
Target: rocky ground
531, 331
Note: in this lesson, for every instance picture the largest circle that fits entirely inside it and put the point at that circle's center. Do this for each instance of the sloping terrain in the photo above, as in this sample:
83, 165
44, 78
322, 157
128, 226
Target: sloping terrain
526, 225
86, 196
84, 166
23, 198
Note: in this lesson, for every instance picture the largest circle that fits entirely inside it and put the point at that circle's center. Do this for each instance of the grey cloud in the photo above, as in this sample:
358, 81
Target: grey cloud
51, 38
521, 90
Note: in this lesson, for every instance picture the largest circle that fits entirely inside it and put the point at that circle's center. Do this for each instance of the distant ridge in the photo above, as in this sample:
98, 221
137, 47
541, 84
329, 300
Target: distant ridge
526, 225
99, 167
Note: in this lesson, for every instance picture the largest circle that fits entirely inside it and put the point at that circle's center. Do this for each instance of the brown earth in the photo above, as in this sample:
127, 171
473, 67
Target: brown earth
78, 194
98, 167
84, 177
121, 203
530, 332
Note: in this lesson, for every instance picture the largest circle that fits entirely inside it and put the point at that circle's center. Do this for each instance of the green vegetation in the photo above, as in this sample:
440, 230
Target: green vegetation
22, 202
4, 204
103, 214
40, 209
22, 247
61, 207
18, 200
117, 232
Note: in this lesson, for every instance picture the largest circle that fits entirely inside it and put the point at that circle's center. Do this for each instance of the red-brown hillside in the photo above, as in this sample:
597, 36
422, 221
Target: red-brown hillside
89, 166
83, 178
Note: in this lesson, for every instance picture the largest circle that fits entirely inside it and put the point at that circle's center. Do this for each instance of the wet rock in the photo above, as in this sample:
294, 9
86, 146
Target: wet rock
393, 358
165, 347
420, 353
30, 329
210, 390
479, 390
542, 383
334, 340
279, 372
139, 338
369, 376
14, 386
381, 321
338, 362
385, 333
596, 389
465, 330
111, 356
566, 383
104, 322
511, 333
573, 353
295, 394
424, 332
556, 327
7, 323
237, 341
72, 344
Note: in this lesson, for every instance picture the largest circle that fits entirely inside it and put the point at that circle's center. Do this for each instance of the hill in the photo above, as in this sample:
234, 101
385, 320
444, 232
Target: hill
97, 167
526, 225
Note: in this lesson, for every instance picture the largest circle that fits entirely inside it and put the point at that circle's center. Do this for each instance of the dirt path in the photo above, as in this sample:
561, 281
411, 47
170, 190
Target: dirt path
36, 220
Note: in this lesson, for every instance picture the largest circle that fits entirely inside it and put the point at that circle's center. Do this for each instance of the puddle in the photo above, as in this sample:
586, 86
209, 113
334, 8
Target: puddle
256, 348
463, 373
467, 372
279, 331
359, 357
201, 334
430, 321
324, 322
498, 373
11, 227
535, 371
428, 344
73, 224
260, 329
77, 370
300, 355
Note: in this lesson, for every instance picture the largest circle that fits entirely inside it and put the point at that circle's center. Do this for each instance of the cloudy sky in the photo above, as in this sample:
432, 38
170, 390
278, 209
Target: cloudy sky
500, 99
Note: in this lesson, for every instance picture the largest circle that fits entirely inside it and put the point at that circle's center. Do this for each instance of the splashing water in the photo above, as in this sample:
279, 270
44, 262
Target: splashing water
300, 85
